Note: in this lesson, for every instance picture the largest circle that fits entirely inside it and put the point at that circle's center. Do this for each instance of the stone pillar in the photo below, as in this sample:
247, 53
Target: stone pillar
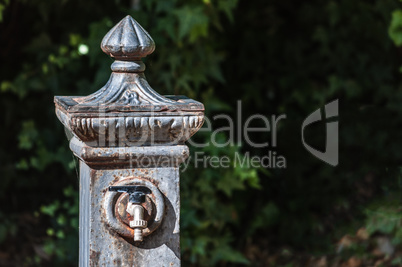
130, 142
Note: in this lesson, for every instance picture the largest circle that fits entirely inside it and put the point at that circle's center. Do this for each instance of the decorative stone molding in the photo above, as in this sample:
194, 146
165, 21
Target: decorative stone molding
154, 156
134, 130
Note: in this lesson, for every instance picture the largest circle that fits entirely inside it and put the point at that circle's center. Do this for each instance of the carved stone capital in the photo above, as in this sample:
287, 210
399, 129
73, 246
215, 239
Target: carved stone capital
127, 111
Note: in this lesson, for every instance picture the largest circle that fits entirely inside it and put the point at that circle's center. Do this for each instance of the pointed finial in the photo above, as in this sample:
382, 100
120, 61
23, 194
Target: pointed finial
128, 41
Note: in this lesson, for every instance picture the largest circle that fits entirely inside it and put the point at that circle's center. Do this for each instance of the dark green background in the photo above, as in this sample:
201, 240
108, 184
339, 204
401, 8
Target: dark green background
278, 57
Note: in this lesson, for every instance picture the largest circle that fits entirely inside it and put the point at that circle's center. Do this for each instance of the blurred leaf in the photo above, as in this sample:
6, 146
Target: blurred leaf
395, 28
28, 135
192, 22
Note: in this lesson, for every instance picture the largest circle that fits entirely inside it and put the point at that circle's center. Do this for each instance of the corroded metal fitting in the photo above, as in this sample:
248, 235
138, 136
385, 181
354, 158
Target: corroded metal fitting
137, 211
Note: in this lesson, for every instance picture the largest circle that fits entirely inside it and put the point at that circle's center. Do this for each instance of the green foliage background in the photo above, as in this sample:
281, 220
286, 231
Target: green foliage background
278, 57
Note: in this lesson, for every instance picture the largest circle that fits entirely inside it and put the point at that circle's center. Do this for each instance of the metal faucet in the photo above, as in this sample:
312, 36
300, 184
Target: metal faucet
134, 207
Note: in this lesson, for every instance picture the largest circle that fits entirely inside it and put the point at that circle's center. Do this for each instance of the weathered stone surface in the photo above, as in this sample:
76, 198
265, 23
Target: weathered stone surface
104, 247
